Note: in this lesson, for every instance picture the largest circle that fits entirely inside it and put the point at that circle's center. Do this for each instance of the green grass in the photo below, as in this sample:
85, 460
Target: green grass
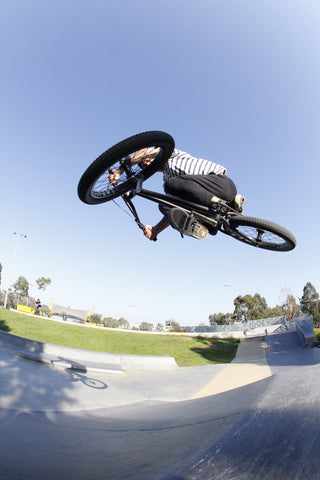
187, 351
317, 335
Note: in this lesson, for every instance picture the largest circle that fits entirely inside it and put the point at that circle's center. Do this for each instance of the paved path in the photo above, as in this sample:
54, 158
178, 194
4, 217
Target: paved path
255, 418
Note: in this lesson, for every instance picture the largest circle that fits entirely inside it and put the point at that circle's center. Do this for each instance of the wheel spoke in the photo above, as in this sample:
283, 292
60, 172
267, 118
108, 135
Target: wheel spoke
260, 236
102, 186
259, 233
94, 186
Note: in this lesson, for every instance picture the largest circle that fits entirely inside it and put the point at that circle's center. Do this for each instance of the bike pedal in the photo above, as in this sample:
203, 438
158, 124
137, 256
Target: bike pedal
198, 231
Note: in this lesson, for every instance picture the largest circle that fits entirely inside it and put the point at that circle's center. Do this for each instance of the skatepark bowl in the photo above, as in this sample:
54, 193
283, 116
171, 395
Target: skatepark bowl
62, 417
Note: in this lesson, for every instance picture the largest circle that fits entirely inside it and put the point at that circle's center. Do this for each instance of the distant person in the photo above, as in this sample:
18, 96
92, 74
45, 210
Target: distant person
38, 306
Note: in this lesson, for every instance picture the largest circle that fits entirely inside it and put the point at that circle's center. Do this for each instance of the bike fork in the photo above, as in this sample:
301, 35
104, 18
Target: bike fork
131, 207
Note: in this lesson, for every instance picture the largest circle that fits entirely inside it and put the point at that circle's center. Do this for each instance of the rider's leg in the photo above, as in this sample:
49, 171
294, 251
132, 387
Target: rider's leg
181, 221
201, 188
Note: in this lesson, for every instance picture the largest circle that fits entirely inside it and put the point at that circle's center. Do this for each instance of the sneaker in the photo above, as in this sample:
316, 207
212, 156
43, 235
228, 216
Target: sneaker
238, 203
186, 224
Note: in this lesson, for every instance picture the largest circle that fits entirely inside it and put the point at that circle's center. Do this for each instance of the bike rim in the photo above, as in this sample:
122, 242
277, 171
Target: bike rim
261, 237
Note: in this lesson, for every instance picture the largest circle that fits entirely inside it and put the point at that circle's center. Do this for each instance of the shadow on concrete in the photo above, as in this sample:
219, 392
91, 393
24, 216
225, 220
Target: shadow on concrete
24, 383
27, 385
88, 381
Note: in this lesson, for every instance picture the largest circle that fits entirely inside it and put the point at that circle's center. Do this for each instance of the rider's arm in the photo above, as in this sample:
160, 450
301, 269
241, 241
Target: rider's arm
153, 232
144, 154
147, 155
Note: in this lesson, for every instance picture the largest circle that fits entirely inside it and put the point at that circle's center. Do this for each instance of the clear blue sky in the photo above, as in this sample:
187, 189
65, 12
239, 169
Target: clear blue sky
236, 82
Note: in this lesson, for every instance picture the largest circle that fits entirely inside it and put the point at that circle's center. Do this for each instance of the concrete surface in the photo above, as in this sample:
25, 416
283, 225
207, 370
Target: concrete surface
255, 418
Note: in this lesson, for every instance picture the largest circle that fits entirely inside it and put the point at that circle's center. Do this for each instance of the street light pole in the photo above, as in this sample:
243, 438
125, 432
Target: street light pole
19, 236
229, 298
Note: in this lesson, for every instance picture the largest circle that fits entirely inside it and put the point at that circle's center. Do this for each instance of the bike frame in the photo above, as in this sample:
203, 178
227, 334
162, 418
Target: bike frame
216, 219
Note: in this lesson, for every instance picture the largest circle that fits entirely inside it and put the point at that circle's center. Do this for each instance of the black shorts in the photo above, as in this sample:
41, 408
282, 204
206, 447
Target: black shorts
201, 188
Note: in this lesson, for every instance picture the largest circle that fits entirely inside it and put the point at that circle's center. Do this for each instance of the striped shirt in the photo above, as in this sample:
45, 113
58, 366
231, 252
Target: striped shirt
181, 163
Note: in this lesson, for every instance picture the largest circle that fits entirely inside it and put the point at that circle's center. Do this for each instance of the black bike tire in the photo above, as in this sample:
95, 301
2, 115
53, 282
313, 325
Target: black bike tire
289, 241
120, 150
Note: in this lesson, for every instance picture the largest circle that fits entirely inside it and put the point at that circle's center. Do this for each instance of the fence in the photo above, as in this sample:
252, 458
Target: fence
235, 327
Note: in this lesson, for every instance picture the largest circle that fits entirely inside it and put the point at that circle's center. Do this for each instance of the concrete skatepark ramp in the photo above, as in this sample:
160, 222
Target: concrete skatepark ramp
255, 418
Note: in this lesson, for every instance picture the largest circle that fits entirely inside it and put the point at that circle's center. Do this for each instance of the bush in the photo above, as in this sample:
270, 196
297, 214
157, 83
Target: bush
317, 336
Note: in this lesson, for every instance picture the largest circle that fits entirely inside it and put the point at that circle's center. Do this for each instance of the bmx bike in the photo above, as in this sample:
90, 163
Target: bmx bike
95, 187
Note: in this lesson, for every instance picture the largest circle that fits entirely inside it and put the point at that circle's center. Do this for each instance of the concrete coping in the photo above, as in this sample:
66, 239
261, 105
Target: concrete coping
84, 360
304, 329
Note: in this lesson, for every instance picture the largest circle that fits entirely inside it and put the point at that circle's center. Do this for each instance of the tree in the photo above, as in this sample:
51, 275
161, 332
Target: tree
171, 324
45, 310
95, 318
110, 322
11, 300
309, 302
160, 327
250, 307
220, 318
316, 313
21, 286
123, 323
290, 307
43, 283
174, 324
146, 326
0, 274
276, 311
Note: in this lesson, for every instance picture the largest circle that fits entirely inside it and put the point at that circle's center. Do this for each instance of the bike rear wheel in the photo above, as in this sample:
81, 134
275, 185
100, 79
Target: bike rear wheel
95, 187
260, 233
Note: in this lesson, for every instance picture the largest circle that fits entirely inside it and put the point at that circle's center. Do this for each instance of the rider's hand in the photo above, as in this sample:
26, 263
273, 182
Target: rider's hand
150, 232
114, 177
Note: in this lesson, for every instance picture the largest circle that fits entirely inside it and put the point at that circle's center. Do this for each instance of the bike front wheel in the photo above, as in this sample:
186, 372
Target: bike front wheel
95, 186
259, 233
